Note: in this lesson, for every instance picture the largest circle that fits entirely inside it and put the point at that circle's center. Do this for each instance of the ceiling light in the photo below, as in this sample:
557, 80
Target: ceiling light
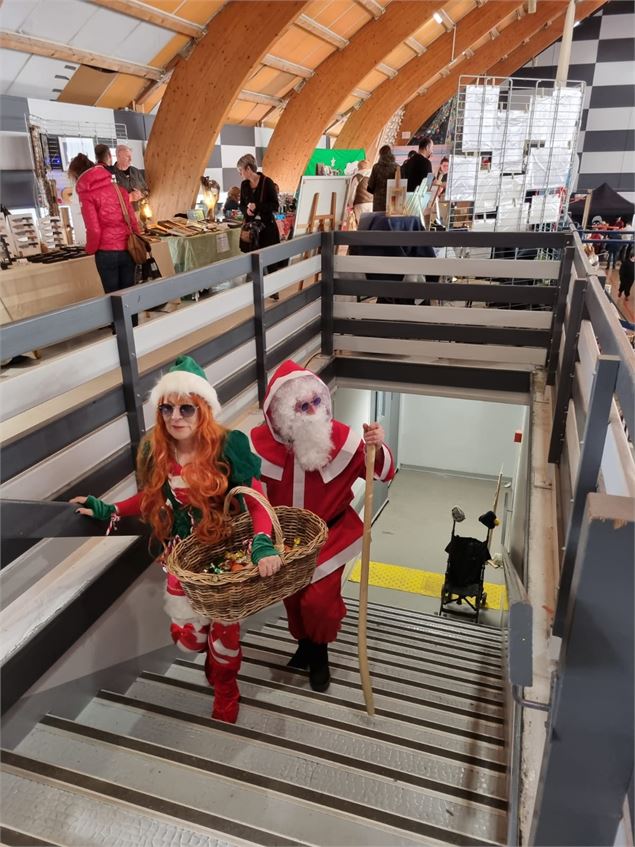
438, 18
531, 6
494, 33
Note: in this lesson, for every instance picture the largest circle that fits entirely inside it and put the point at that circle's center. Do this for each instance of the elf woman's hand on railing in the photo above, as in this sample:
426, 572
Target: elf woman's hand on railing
94, 508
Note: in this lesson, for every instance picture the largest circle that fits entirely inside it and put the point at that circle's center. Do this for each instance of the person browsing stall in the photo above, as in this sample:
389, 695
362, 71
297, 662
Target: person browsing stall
185, 466
258, 199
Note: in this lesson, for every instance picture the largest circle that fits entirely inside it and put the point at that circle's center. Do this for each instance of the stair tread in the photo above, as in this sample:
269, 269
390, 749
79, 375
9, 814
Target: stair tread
283, 809
405, 618
326, 734
480, 629
390, 654
442, 653
384, 684
304, 700
470, 726
343, 779
58, 813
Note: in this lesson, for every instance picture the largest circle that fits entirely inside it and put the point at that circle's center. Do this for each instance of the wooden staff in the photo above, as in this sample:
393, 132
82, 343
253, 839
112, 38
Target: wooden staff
362, 649
495, 505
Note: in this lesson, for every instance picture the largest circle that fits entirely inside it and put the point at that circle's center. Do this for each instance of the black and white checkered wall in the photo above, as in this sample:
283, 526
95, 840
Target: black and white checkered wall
603, 55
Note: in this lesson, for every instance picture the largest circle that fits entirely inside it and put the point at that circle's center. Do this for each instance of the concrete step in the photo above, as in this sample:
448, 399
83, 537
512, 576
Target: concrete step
287, 810
255, 753
62, 808
443, 656
463, 691
377, 743
478, 747
405, 616
345, 644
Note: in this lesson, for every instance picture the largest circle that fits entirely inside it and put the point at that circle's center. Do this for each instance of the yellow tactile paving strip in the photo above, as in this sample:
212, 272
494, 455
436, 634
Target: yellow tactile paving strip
415, 581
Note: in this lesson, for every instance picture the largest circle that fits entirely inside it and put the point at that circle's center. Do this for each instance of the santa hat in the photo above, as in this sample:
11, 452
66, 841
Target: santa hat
186, 377
287, 371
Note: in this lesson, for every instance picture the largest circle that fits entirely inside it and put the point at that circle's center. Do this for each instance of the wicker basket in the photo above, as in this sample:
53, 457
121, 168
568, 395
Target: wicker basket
230, 597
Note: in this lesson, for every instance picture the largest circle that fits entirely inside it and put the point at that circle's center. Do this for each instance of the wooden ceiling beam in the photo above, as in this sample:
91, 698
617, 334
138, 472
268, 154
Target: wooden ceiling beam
310, 25
257, 97
287, 67
372, 7
67, 53
540, 29
315, 106
532, 47
192, 113
152, 15
365, 124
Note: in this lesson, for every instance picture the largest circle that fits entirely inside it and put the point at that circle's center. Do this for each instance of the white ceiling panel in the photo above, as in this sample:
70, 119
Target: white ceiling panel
14, 12
104, 32
59, 20
143, 44
37, 78
11, 63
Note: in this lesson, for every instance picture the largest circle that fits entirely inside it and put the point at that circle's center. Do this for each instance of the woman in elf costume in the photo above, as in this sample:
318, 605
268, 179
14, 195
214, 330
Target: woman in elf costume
185, 467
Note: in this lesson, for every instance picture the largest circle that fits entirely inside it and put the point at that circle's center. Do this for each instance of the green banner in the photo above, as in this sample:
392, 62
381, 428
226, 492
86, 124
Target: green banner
336, 160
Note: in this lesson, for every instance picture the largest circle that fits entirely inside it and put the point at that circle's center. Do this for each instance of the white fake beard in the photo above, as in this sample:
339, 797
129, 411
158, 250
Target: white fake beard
310, 435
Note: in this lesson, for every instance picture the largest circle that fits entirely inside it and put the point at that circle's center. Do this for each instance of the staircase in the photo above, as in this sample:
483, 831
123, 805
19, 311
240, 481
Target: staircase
149, 766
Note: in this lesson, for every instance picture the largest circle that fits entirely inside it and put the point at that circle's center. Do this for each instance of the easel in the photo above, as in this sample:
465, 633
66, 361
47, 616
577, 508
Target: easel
319, 223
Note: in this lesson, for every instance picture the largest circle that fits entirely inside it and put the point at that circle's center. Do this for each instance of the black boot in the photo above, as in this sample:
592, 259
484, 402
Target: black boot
300, 658
319, 673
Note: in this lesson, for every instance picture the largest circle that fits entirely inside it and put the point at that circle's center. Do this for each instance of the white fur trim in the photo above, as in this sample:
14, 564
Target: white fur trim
298, 485
342, 459
180, 610
219, 649
385, 468
183, 382
338, 560
272, 471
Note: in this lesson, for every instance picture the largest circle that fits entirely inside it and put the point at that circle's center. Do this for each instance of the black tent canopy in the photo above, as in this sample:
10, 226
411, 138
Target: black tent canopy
605, 202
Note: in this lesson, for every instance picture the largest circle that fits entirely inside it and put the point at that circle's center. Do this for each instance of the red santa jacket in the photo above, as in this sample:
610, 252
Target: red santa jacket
328, 491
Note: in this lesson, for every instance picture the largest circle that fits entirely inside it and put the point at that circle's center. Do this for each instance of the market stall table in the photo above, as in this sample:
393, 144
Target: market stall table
34, 288
197, 251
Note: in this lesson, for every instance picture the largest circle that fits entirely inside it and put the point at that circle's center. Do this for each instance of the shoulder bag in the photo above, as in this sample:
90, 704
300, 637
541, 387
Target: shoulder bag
250, 231
137, 245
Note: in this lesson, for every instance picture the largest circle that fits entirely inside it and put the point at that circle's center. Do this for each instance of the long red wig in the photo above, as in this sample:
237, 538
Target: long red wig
207, 475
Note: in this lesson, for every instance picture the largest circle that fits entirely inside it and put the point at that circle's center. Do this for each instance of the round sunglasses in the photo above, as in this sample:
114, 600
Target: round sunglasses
186, 410
304, 407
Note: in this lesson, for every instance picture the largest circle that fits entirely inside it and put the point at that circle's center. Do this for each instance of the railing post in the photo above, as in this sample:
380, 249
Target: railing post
133, 399
327, 288
588, 759
257, 279
602, 391
567, 370
564, 280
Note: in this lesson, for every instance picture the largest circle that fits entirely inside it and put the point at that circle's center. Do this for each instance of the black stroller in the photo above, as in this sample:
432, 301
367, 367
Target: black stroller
465, 570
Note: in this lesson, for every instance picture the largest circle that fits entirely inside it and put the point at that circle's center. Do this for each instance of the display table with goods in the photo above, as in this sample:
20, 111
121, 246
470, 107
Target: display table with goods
196, 251
56, 280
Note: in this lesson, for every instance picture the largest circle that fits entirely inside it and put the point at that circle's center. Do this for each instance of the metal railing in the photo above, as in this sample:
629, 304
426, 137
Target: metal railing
438, 344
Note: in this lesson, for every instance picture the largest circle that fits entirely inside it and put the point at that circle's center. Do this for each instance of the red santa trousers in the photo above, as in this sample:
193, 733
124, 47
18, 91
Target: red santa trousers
316, 611
220, 642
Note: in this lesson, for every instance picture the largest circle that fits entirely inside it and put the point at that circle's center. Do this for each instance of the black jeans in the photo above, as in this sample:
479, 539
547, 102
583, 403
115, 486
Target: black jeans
116, 271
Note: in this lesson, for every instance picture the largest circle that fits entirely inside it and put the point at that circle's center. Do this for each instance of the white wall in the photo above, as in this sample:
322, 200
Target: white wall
352, 407
469, 436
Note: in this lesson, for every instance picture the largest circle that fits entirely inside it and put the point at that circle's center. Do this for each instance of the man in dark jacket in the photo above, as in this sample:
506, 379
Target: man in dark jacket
419, 165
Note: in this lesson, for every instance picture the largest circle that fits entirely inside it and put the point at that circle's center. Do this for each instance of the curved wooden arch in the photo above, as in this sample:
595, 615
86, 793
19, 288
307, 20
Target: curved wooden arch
200, 93
309, 111
539, 42
365, 124
542, 29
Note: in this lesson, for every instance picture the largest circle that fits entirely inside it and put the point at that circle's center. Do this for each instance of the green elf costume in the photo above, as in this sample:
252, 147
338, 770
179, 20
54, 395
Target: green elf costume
190, 631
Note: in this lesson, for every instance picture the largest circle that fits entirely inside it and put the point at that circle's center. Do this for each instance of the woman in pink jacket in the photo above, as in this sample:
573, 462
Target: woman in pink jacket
106, 228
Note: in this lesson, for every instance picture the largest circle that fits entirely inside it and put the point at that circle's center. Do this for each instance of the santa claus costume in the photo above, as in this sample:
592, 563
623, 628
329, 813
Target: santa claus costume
180, 397
311, 461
